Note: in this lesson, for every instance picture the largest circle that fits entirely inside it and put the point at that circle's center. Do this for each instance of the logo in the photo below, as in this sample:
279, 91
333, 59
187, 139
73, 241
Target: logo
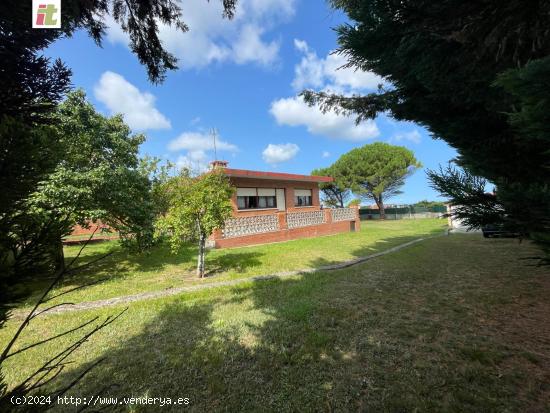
46, 14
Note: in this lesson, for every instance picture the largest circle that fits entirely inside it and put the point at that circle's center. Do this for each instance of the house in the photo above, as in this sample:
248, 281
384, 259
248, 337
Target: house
274, 206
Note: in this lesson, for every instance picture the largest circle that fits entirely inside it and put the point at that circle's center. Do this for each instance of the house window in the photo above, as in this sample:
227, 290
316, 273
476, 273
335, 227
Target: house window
256, 198
302, 197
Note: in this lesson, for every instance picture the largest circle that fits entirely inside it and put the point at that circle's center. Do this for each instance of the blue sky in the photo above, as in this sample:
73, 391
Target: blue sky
242, 77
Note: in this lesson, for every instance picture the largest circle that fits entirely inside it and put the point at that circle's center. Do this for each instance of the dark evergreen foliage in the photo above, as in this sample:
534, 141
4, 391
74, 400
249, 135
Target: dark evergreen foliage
476, 74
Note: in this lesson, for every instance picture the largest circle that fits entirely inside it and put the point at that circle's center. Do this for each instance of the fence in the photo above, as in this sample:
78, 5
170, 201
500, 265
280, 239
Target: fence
262, 224
304, 219
238, 227
406, 212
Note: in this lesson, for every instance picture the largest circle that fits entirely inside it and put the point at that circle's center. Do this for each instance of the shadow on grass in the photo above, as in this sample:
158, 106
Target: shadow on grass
122, 263
410, 342
108, 261
159, 258
239, 261
241, 364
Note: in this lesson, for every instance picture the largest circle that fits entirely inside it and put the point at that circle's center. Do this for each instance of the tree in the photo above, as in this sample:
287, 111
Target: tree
98, 177
32, 85
197, 206
466, 192
376, 171
475, 74
428, 204
30, 90
334, 193
139, 19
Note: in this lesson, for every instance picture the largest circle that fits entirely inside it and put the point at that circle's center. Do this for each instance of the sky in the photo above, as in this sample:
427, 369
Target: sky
242, 77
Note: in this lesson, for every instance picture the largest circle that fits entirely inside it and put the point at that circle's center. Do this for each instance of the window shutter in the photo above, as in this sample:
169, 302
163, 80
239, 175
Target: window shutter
246, 191
266, 191
302, 192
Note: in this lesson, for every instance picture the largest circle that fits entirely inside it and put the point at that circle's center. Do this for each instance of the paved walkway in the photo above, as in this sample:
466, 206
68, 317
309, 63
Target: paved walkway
19, 314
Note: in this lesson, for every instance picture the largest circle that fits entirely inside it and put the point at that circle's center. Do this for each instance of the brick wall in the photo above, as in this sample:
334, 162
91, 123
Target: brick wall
78, 230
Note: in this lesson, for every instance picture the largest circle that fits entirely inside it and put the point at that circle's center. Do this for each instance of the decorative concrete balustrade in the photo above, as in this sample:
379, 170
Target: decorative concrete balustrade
320, 221
305, 219
343, 214
258, 224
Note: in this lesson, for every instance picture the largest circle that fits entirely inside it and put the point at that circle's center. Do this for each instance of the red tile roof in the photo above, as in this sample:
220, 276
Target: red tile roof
243, 173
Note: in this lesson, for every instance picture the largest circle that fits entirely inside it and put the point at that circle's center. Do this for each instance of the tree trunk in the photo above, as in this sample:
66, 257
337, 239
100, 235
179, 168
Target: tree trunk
200, 261
59, 256
380, 204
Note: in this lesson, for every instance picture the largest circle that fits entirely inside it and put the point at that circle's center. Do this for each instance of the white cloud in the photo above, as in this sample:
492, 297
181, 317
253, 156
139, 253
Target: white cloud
199, 149
115, 34
195, 120
213, 39
328, 73
196, 162
195, 141
412, 136
138, 108
325, 154
266, 7
249, 47
295, 112
273, 154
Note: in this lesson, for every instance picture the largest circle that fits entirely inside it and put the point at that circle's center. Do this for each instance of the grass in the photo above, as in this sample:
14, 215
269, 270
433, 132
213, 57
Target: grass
453, 324
125, 273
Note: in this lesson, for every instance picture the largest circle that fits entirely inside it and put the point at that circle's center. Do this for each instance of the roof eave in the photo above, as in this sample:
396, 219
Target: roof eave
243, 173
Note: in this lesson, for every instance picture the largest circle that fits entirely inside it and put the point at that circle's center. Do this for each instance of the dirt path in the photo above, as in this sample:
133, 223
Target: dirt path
20, 314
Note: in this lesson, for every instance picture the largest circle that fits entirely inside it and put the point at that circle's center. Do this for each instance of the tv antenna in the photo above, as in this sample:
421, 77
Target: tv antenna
214, 133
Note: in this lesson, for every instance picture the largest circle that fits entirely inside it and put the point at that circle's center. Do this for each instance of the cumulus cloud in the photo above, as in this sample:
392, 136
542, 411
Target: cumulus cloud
328, 73
274, 154
249, 47
325, 74
213, 39
199, 149
325, 154
412, 136
197, 141
138, 108
294, 111
115, 34
196, 162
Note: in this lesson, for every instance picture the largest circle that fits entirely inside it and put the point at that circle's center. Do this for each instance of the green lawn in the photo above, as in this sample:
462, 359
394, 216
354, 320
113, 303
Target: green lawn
455, 324
125, 273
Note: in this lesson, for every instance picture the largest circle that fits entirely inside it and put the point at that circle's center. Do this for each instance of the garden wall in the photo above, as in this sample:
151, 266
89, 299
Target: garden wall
331, 221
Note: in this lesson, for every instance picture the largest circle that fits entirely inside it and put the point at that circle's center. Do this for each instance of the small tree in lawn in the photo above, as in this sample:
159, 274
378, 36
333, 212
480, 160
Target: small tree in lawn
197, 206
376, 171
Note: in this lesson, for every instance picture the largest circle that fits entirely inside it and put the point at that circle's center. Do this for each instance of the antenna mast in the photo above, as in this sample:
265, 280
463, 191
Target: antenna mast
214, 132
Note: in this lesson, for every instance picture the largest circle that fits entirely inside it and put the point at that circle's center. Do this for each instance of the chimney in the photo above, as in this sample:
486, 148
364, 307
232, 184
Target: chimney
218, 164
